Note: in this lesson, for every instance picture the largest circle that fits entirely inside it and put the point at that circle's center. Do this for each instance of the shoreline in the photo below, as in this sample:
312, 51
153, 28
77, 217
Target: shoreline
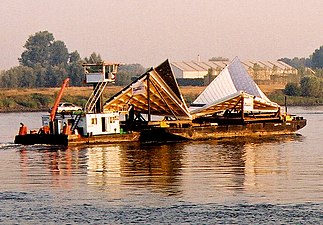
41, 100
22, 110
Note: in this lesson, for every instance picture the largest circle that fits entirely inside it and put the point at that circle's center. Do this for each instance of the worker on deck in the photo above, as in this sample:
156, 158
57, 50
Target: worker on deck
22, 129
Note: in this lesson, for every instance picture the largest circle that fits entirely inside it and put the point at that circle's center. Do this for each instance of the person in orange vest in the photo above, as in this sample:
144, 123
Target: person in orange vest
22, 129
66, 129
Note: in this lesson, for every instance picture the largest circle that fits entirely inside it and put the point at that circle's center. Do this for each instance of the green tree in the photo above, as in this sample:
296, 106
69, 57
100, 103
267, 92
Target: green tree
2, 78
55, 75
317, 58
58, 54
26, 77
38, 49
126, 72
46, 62
310, 86
40, 74
74, 57
19, 76
75, 69
51, 61
298, 63
292, 89
7, 81
94, 58
42, 49
314, 61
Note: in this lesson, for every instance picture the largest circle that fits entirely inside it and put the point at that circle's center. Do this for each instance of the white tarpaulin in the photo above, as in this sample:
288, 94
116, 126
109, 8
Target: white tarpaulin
225, 90
138, 88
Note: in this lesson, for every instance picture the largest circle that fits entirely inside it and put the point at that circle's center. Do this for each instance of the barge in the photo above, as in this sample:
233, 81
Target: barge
169, 134
152, 110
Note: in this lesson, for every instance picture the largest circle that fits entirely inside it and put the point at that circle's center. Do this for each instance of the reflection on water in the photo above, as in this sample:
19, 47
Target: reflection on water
233, 181
222, 171
123, 165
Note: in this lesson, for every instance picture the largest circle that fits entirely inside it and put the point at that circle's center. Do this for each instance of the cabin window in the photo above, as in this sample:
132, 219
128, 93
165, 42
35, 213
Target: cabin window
70, 121
106, 75
107, 69
104, 129
93, 69
94, 121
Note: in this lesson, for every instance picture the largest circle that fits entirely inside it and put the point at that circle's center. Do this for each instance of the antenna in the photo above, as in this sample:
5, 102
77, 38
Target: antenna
285, 104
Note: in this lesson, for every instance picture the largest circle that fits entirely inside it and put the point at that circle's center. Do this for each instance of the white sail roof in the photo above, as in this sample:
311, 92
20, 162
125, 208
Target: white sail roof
224, 91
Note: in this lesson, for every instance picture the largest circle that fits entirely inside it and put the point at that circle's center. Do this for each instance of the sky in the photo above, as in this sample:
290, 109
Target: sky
150, 31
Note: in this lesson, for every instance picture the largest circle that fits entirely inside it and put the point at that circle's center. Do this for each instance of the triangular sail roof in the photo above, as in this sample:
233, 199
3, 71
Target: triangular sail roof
160, 86
226, 90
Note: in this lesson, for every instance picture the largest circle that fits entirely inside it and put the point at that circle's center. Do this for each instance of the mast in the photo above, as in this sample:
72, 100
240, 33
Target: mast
148, 97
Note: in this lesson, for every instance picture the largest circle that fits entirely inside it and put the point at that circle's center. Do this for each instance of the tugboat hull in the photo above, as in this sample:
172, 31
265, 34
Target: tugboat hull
48, 139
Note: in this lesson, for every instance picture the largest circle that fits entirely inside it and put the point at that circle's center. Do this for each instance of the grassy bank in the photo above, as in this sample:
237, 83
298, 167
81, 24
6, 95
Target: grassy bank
279, 97
20, 100
16, 100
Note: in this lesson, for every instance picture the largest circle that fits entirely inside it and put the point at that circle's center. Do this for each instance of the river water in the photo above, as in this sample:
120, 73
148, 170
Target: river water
276, 180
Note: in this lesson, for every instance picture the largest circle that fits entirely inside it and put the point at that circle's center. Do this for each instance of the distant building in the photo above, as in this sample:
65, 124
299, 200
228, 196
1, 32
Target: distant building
262, 72
274, 72
194, 69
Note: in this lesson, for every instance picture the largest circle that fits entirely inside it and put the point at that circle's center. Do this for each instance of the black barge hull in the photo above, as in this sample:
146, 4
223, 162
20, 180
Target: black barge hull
220, 131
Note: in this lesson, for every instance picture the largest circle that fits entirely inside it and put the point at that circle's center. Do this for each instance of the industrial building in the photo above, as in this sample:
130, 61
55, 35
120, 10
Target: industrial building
262, 72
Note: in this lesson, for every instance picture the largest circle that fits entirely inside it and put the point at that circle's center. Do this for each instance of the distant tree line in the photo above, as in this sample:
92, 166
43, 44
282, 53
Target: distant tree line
46, 62
311, 70
314, 61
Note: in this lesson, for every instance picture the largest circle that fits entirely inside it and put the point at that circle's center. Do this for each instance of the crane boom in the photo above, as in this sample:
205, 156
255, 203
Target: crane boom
58, 99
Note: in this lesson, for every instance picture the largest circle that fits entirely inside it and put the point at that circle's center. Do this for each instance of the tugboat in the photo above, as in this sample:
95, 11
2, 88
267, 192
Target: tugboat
62, 128
152, 110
